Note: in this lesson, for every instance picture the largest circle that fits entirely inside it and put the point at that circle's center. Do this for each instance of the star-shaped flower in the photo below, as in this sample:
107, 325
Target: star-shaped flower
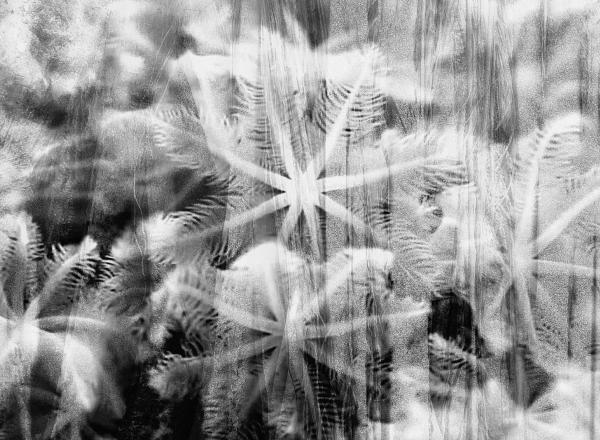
51, 362
522, 218
301, 133
277, 315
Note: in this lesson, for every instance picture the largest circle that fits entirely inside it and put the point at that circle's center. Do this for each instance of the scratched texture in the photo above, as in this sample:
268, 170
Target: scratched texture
299, 219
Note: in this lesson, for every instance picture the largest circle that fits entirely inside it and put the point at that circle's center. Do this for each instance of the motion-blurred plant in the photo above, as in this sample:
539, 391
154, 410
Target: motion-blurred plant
314, 219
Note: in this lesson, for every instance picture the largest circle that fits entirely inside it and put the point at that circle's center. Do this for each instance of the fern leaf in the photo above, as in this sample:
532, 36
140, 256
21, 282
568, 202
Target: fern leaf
367, 113
414, 259
19, 268
230, 302
447, 358
194, 232
575, 184
66, 274
401, 228
178, 133
421, 163
548, 154
175, 377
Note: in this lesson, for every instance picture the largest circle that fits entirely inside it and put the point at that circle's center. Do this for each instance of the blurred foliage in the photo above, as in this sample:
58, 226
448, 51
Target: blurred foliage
300, 219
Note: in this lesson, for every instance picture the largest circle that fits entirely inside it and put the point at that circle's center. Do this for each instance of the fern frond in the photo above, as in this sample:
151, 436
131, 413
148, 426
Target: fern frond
209, 216
360, 268
195, 319
421, 163
582, 182
414, 259
448, 362
332, 405
404, 227
255, 124
20, 260
178, 133
176, 377
366, 117
447, 358
66, 274
183, 237
546, 156
195, 232
128, 289
231, 303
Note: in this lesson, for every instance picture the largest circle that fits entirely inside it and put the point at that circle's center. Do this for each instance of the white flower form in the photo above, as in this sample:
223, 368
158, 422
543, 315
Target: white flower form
41, 339
300, 184
272, 305
530, 219
547, 158
567, 410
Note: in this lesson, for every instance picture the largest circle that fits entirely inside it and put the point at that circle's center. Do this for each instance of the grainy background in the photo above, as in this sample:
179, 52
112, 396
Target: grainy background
466, 244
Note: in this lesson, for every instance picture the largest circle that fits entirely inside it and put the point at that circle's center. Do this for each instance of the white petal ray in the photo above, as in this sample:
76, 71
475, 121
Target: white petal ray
186, 246
310, 215
272, 364
267, 207
236, 354
229, 311
335, 183
195, 83
275, 301
525, 223
248, 320
290, 220
524, 305
252, 170
334, 208
546, 267
338, 329
283, 137
558, 226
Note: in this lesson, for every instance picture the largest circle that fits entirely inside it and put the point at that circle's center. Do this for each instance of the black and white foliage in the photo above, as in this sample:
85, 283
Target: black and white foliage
320, 219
